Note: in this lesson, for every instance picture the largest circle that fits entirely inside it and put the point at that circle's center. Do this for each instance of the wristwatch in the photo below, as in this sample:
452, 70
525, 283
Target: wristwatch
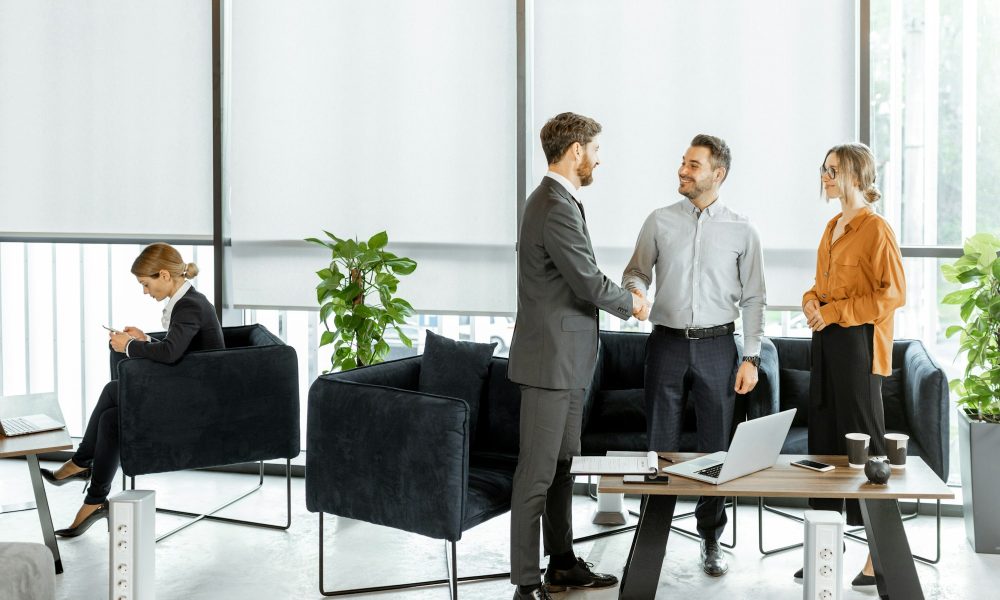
754, 360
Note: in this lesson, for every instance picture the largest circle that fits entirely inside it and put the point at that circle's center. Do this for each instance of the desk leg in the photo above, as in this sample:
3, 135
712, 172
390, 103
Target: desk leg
645, 558
895, 573
44, 516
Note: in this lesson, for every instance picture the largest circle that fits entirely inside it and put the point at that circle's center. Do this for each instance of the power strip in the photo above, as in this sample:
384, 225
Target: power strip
132, 563
824, 557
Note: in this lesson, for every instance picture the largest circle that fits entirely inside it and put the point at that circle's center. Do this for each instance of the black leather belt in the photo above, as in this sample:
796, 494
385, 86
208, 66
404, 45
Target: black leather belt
698, 333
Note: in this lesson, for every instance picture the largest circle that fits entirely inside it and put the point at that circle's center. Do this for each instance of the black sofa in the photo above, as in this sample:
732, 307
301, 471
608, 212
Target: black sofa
615, 414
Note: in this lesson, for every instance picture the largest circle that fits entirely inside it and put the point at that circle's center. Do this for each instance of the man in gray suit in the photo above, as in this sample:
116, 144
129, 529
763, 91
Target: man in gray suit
553, 354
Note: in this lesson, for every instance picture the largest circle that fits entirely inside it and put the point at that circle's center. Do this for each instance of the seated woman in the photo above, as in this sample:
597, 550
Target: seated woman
191, 324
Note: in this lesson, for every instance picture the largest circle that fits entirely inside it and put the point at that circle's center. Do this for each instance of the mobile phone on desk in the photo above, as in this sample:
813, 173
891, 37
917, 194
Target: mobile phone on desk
112, 329
813, 465
661, 478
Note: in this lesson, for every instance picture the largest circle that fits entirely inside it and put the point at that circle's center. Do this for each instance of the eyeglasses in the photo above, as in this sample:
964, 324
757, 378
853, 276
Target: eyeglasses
830, 172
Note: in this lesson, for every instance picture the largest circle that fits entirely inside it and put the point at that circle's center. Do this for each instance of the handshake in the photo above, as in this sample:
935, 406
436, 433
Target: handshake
640, 305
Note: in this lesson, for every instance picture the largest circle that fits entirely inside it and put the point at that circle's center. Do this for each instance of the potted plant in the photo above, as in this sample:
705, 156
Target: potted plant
360, 273
978, 391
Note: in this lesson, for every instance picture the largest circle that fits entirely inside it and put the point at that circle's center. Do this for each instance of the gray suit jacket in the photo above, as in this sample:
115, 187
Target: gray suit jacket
559, 289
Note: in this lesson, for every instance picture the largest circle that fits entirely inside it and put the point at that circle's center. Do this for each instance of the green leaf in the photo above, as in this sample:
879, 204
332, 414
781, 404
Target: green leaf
958, 296
403, 266
952, 330
967, 309
970, 275
379, 240
313, 240
996, 270
332, 237
324, 311
402, 337
325, 274
326, 338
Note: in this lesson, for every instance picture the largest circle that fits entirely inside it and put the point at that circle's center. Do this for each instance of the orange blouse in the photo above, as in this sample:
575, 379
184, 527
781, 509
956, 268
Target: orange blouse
859, 279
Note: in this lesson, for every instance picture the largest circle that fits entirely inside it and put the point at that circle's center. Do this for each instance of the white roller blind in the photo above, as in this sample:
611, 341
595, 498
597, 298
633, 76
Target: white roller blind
106, 117
775, 79
358, 117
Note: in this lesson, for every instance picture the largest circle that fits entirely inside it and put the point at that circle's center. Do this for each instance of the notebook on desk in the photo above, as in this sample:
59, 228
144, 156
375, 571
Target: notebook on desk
15, 426
755, 446
645, 464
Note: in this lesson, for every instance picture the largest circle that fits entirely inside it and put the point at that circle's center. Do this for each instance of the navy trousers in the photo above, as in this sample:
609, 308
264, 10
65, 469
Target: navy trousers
704, 371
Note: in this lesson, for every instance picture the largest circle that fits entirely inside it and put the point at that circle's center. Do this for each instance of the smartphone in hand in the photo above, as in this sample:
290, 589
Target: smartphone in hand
112, 329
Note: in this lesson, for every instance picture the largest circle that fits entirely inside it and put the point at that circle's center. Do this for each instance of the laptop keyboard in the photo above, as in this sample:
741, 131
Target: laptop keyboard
712, 471
17, 426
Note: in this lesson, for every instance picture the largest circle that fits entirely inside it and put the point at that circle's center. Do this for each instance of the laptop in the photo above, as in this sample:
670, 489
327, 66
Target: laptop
756, 446
30, 424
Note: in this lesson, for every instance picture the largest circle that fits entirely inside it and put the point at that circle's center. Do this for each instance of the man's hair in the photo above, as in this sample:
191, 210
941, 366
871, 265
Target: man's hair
718, 151
563, 130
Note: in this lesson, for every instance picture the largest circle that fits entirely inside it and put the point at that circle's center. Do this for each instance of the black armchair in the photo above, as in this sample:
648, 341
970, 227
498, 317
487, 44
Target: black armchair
383, 452
211, 408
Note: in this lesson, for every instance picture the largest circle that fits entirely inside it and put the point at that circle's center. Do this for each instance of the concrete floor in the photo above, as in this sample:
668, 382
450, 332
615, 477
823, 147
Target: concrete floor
219, 561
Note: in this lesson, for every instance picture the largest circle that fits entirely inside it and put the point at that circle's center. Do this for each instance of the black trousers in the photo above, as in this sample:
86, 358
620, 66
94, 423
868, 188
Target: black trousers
99, 448
844, 397
704, 370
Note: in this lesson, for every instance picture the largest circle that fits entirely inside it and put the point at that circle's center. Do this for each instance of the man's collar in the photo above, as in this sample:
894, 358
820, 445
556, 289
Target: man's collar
711, 209
563, 181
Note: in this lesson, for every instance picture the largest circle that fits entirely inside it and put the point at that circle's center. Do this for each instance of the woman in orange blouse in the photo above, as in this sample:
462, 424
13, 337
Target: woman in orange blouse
859, 285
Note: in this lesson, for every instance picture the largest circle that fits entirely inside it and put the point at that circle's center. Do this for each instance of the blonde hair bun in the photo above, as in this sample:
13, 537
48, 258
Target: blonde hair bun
191, 271
872, 195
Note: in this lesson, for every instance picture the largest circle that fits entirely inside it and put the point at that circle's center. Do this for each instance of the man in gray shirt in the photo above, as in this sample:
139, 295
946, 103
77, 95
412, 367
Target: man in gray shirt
708, 266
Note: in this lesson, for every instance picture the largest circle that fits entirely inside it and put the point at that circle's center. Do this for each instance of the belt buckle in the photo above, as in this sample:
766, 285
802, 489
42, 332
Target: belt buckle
687, 334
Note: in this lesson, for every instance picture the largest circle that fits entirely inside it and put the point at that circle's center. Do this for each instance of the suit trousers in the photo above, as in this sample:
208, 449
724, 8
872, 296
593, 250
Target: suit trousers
704, 370
550, 426
844, 397
99, 448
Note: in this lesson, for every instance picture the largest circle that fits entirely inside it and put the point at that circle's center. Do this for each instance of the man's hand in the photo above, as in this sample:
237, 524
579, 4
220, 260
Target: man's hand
119, 341
746, 378
640, 305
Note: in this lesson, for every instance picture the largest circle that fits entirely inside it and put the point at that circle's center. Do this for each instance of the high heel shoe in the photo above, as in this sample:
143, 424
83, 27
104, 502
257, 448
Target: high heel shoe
49, 476
97, 515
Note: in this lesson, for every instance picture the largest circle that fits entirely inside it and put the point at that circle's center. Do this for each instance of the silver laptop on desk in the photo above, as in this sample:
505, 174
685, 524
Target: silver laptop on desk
756, 446
29, 424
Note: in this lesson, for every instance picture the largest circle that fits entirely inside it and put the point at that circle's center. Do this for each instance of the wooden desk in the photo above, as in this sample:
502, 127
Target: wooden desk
30, 446
895, 573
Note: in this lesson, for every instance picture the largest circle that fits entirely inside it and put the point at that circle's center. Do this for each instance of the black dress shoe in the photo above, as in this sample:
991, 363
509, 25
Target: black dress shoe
712, 560
540, 593
49, 476
97, 515
864, 583
578, 576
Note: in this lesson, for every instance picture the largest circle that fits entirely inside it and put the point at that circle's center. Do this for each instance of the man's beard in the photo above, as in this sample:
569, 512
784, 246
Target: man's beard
697, 188
585, 172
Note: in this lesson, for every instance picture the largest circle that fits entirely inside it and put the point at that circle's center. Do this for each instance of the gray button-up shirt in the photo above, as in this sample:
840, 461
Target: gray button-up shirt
706, 265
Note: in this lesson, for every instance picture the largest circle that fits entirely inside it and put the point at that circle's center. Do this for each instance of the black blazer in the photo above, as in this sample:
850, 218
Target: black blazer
193, 326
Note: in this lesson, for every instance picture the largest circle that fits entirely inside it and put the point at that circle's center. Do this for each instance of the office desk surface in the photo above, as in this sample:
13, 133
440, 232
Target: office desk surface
34, 443
784, 480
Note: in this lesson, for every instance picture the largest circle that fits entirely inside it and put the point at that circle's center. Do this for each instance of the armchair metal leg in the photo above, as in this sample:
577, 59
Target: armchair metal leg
850, 533
211, 516
452, 581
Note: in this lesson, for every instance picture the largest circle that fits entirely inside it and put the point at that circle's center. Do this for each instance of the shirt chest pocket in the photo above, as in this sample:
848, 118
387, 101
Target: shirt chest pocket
846, 276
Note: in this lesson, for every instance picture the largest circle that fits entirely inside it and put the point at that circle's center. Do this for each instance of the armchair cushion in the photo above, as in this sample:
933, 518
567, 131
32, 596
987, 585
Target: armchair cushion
457, 370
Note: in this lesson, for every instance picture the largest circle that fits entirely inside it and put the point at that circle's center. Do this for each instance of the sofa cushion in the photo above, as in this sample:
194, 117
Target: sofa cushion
489, 495
619, 410
456, 370
794, 388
